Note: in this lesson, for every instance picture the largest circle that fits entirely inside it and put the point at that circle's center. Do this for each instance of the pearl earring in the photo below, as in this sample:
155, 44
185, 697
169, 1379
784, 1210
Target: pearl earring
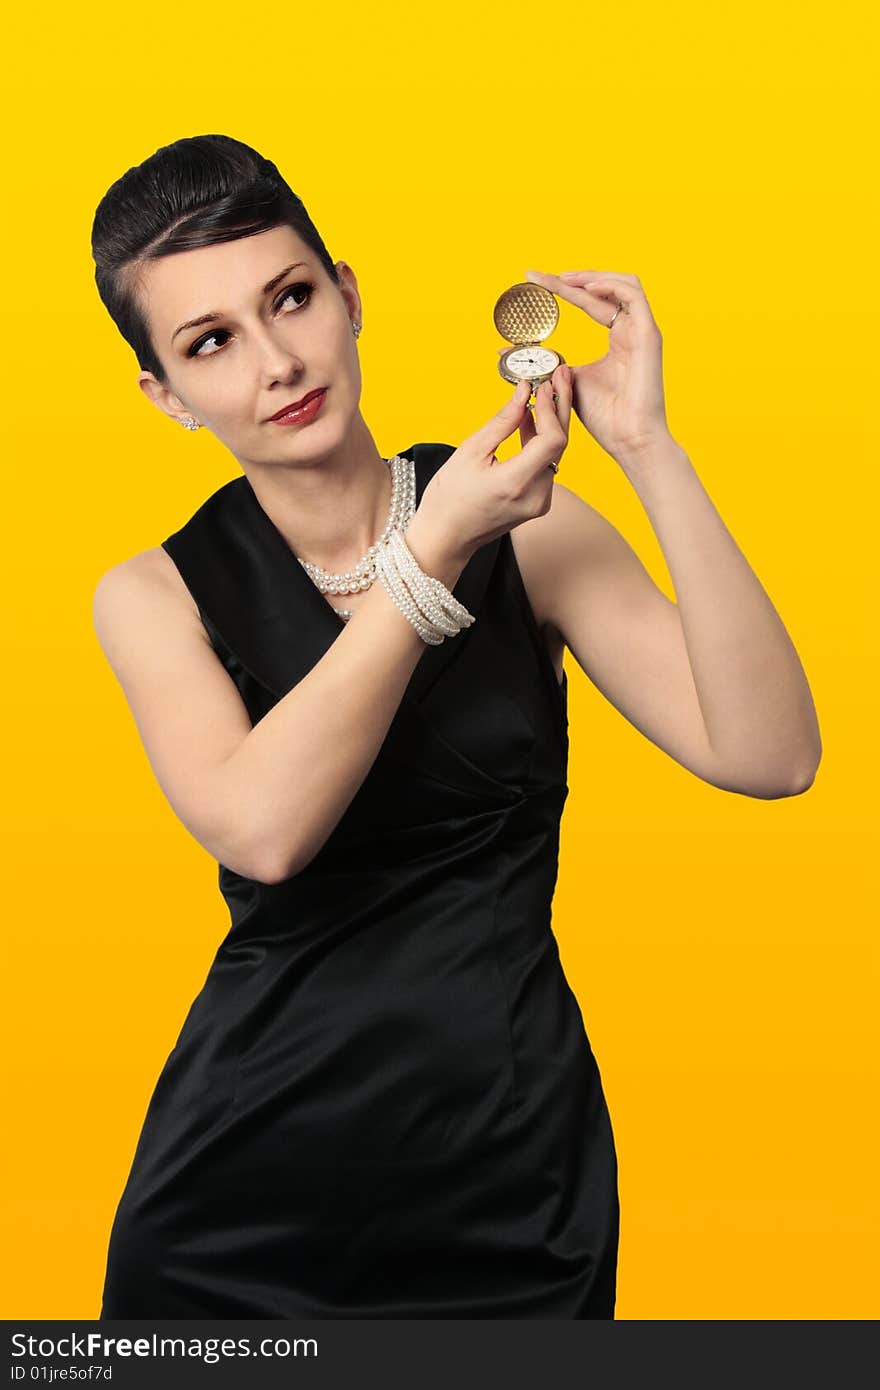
190, 424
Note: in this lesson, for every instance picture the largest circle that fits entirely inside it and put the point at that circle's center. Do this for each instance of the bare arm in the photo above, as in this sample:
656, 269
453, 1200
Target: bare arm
753, 693
713, 679
262, 799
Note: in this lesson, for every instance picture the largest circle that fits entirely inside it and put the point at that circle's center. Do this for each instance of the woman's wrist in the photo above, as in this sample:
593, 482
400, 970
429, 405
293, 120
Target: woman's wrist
432, 554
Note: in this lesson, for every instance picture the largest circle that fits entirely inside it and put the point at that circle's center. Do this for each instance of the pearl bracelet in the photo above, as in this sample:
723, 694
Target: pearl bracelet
400, 595
438, 604
432, 609
420, 586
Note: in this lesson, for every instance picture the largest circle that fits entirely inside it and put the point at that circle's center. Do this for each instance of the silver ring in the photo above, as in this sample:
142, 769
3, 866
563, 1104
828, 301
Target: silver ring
620, 306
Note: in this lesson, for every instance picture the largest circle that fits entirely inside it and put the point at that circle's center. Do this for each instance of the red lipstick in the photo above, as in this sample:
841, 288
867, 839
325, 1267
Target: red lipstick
298, 412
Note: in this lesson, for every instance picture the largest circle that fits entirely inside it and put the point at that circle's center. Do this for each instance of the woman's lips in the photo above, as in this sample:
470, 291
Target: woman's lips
305, 412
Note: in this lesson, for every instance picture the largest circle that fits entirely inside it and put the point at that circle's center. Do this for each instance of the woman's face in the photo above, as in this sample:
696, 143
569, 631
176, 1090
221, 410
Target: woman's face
274, 328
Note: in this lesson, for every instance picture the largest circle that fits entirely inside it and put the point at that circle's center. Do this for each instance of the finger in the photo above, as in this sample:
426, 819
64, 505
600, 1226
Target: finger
555, 395
551, 435
581, 276
615, 299
503, 422
539, 452
598, 293
564, 388
560, 396
598, 275
527, 429
555, 402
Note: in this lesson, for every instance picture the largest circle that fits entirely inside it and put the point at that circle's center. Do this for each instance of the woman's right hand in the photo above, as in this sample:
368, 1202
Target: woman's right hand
474, 497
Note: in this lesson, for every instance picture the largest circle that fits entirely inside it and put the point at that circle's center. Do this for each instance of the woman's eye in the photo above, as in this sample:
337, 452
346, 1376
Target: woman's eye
296, 289
196, 349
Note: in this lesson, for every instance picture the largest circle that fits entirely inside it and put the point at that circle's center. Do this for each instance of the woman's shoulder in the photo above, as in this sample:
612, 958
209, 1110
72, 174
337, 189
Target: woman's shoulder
155, 570
149, 572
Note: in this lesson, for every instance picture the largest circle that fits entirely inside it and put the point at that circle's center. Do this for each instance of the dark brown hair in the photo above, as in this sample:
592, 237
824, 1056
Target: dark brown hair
199, 190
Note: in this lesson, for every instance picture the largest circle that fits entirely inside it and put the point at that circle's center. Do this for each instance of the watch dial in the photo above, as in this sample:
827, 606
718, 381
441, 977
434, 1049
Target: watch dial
531, 362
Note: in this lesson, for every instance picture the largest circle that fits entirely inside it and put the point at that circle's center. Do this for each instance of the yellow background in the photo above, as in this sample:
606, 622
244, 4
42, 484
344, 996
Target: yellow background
723, 949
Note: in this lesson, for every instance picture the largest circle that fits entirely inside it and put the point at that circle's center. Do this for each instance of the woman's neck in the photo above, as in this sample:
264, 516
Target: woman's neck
331, 509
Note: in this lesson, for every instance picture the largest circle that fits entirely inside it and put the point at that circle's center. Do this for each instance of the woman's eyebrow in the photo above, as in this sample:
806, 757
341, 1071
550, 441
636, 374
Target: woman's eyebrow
213, 316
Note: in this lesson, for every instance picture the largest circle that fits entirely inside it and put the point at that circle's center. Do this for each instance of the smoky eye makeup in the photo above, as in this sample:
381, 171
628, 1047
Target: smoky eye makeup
194, 350
296, 285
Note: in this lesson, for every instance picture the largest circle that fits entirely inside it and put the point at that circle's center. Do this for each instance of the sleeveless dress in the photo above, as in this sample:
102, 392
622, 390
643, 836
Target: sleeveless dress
382, 1102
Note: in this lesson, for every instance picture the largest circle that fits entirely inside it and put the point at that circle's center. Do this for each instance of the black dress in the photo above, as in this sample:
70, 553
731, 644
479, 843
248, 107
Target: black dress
382, 1102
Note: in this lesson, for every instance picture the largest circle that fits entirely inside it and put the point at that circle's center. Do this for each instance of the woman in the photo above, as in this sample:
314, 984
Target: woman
383, 1102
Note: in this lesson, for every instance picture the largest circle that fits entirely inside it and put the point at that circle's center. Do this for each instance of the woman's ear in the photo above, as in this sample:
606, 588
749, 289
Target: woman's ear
348, 288
163, 397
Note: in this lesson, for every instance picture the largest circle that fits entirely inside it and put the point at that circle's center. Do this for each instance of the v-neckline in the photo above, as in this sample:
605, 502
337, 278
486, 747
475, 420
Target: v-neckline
276, 540
250, 584
291, 561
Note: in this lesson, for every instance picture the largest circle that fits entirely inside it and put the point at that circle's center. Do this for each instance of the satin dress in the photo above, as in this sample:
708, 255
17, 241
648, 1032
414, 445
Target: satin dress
383, 1102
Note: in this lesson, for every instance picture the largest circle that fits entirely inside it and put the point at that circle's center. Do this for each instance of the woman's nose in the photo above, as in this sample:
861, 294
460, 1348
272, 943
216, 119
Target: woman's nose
278, 363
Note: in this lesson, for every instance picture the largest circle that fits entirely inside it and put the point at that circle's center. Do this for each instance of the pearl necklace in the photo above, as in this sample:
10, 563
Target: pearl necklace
402, 510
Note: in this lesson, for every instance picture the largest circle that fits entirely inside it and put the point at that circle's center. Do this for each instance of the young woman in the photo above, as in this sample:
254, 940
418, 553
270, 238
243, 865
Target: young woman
382, 1102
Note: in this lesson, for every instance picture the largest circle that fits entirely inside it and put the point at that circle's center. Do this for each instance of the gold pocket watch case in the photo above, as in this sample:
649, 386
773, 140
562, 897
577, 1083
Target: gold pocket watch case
525, 315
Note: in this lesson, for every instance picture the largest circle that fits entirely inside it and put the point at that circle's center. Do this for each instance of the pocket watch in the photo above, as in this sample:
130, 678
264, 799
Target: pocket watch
525, 315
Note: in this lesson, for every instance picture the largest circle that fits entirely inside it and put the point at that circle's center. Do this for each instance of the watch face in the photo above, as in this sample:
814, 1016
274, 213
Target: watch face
531, 362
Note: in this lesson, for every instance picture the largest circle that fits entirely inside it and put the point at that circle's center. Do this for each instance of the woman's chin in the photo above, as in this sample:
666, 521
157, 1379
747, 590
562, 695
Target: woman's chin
307, 444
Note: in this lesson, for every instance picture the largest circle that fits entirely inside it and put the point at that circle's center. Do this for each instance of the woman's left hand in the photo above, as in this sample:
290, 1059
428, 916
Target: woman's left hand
618, 398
